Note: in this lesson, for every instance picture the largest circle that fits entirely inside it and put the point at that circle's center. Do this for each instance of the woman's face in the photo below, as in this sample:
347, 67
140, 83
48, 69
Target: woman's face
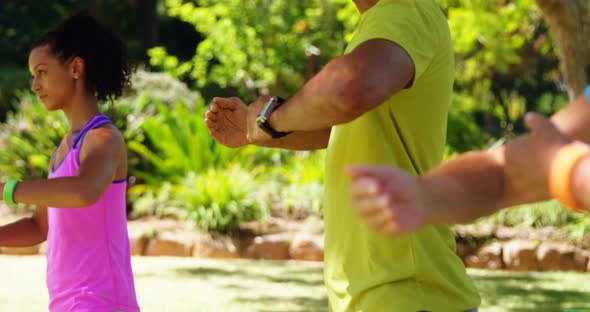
53, 81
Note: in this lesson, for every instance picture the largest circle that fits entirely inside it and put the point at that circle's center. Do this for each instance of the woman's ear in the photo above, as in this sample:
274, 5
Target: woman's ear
77, 67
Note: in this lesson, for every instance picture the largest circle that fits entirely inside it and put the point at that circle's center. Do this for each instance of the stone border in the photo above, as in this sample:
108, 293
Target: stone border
485, 248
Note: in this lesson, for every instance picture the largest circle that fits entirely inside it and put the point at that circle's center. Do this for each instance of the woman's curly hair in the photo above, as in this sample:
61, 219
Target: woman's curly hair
104, 54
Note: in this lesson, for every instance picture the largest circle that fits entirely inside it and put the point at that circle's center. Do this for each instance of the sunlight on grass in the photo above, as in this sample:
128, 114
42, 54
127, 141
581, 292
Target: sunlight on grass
532, 291
187, 284
236, 285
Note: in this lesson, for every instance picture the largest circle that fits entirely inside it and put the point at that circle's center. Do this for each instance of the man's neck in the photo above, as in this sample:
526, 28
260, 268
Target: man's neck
363, 5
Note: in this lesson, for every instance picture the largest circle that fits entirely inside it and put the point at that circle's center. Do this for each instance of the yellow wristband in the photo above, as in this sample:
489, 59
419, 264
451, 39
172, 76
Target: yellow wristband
561, 172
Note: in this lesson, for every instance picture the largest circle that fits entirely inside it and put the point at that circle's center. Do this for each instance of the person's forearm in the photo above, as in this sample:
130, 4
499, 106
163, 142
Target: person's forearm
327, 99
470, 186
347, 87
581, 183
301, 141
24, 232
66, 192
473, 185
463, 189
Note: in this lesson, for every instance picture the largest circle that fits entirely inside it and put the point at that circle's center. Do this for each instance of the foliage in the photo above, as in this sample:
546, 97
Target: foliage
28, 139
177, 142
303, 190
256, 46
301, 199
23, 22
293, 185
160, 201
549, 213
506, 65
505, 62
216, 200
160, 87
31, 134
138, 103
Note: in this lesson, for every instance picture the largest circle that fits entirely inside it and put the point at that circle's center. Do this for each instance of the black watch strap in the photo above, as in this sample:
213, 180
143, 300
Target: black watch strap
264, 116
265, 126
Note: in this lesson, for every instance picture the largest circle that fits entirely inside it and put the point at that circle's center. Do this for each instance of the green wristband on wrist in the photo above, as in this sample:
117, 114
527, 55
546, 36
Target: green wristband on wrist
8, 192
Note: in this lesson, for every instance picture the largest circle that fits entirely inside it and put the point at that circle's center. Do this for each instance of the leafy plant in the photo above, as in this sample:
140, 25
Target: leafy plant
178, 142
255, 46
297, 187
217, 200
28, 139
549, 213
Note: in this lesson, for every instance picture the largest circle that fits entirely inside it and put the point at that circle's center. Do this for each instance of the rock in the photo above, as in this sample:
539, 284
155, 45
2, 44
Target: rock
265, 227
273, 247
140, 231
43, 248
463, 250
554, 256
20, 251
307, 247
271, 225
519, 255
537, 234
169, 244
313, 225
474, 231
137, 243
208, 246
487, 257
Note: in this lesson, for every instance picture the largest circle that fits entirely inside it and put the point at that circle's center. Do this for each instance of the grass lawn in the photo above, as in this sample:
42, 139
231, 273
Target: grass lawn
185, 284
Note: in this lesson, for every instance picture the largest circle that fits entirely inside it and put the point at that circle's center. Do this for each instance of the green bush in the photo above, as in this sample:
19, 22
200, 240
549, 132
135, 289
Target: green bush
549, 213
30, 135
302, 188
160, 201
302, 199
216, 200
177, 142
161, 87
182, 171
28, 139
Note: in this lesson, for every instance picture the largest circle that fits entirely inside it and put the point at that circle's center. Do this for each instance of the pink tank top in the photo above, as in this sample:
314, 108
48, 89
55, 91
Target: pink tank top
88, 254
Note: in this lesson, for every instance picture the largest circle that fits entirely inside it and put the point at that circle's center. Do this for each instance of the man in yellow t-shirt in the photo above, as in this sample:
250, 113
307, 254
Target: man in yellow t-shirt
385, 101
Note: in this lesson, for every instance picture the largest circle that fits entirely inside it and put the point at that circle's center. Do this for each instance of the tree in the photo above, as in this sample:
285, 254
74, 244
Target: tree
505, 66
569, 21
257, 46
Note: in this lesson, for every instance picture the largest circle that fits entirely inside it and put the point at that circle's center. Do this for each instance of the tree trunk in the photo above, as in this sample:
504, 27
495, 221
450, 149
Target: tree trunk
569, 23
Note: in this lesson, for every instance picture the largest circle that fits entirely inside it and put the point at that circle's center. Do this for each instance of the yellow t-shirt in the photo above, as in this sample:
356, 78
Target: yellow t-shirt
363, 270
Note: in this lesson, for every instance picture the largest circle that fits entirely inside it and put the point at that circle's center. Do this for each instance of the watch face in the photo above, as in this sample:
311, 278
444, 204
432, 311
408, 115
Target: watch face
260, 119
264, 115
272, 104
265, 112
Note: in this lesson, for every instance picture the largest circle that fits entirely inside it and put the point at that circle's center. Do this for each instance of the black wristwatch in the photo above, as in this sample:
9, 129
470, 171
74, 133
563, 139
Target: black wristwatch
264, 116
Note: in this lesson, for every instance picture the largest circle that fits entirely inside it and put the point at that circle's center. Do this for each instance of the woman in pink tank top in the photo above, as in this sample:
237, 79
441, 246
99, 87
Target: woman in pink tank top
81, 210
